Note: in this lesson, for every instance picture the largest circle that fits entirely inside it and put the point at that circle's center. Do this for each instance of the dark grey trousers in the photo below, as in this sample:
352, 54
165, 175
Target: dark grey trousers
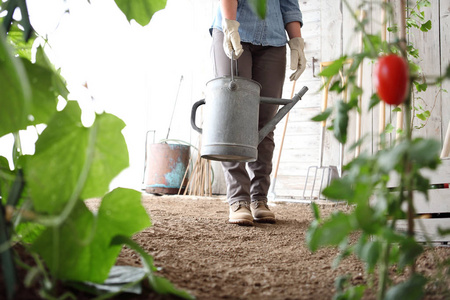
266, 65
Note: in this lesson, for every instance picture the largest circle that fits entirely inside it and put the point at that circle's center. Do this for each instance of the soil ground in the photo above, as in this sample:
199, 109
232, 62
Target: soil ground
198, 251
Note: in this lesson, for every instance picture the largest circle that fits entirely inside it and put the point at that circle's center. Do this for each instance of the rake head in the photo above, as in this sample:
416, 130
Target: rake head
320, 179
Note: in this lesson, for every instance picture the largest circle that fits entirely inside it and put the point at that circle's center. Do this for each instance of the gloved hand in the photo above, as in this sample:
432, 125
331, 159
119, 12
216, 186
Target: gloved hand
232, 40
298, 59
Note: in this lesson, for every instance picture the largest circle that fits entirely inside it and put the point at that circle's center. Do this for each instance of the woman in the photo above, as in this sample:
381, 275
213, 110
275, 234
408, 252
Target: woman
260, 47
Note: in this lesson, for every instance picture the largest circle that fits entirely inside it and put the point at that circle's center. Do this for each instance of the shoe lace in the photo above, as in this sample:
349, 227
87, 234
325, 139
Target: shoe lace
260, 203
243, 204
240, 204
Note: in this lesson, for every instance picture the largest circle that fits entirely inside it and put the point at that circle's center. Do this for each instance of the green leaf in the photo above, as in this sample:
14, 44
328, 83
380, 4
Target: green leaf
412, 289
21, 47
355, 93
371, 41
443, 231
323, 115
81, 249
334, 68
70, 157
140, 10
421, 116
11, 7
336, 87
6, 178
339, 189
352, 293
332, 232
421, 183
44, 97
389, 128
340, 122
316, 211
393, 28
158, 284
421, 87
425, 152
414, 52
120, 279
58, 81
370, 253
409, 251
364, 213
447, 72
15, 95
423, 3
412, 23
374, 100
259, 7
426, 26
388, 159
110, 156
29, 231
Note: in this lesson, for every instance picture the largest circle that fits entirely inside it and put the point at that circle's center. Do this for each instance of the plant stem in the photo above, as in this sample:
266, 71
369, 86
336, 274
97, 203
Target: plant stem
360, 25
408, 179
383, 274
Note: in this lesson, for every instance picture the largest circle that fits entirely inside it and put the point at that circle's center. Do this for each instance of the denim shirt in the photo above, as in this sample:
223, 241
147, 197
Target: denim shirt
266, 32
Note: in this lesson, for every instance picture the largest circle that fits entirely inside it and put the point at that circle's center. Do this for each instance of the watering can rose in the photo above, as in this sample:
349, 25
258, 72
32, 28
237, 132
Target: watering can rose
391, 79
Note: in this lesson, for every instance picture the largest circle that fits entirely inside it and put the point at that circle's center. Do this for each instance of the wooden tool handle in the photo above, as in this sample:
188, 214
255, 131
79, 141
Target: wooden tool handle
446, 147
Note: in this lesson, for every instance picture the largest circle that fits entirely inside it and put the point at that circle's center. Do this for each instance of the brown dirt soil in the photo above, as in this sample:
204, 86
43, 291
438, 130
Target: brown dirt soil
199, 252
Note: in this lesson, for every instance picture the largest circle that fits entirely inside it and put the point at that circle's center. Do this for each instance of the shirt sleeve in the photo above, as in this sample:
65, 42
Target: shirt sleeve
291, 12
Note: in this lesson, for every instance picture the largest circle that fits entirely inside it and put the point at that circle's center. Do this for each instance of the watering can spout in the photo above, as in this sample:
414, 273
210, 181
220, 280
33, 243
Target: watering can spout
288, 104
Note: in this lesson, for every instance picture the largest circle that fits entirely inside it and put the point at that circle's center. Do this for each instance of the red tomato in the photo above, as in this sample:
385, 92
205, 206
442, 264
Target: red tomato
391, 79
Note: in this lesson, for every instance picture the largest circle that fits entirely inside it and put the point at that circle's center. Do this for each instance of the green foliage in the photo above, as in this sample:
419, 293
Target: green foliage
259, 6
56, 159
140, 10
16, 92
159, 284
377, 186
11, 6
80, 248
410, 289
43, 197
344, 290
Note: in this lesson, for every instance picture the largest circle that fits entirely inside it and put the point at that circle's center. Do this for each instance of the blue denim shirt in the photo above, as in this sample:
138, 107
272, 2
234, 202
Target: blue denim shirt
269, 31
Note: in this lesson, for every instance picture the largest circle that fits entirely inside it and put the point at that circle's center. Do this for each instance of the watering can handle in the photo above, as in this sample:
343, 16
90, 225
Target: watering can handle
232, 85
193, 114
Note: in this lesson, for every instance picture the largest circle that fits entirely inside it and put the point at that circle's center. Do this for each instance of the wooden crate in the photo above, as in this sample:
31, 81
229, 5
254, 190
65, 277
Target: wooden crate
434, 213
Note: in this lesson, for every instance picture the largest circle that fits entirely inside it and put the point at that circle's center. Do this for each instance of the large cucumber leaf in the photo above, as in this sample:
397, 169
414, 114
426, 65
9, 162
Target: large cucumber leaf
81, 248
15, 95
74, 161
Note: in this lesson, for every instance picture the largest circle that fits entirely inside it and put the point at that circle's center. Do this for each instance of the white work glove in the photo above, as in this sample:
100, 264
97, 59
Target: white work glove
298, 59
232, 40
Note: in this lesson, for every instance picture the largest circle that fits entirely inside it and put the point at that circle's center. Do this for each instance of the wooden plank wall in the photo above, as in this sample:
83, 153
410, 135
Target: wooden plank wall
329, 32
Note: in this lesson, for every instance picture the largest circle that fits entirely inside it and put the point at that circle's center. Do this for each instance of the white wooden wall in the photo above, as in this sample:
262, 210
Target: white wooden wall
329, 32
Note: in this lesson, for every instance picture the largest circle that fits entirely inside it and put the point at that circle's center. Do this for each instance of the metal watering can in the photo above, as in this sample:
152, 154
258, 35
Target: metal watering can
230, 128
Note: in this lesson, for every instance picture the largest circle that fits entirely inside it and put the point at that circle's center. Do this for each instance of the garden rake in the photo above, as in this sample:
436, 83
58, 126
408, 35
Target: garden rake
320, 172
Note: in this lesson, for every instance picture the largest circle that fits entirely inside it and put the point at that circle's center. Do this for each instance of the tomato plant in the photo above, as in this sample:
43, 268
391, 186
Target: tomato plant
379, 185
391, 77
